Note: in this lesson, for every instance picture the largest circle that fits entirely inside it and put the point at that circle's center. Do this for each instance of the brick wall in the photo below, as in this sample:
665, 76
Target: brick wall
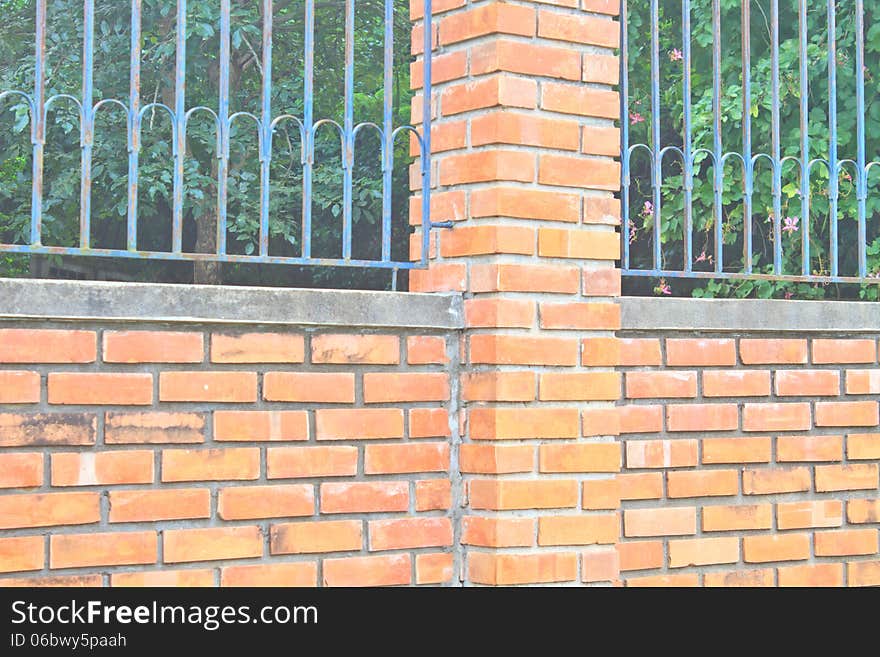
750, 459
198, 455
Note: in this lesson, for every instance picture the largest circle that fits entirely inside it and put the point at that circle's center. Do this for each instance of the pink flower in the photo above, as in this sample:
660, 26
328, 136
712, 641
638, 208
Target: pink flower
635, 117
789, 295
791, 225
663, 288
704, 258
632, 232
675, 55
648, 209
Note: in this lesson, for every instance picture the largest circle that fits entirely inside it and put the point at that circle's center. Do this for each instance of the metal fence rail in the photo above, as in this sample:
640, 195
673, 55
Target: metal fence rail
266, 123
666, 155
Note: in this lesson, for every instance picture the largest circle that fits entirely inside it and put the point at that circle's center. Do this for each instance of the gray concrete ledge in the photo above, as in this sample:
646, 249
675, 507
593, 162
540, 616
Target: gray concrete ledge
80, 300
648, 313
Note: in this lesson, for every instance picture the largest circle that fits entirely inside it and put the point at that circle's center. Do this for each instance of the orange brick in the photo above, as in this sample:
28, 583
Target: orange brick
496, 459
807, 383
813, 575
606, 421
863, 573
777, 480
602, 565
499, 313
522, 203
498, 532
601, 352
433, 495
601, 209
742, 383
439, 278
846, 542
66, 581
47, 346
487, 19
580, 100
744, 517
582, 244
48, 509
19, 553
449, 135
521, 350
736, 450
257, 348
640, 419
245, 426
497, 90
844, 351
776, 417
525, 58
581, 457
406, 458
364, 497
855, 476
360, 349
487, 239
847, 414
498, 386
703, 551
163, 504
524, 129
668, 521
510, 494
297, 462
863, 511
764, 352
700, 352
524, 278
248, 502
153, 347
702, 417
803, 515
609, 7
208, 387
445, 206
809, 448
426, 350
579, 386
661, 453
445, 67
390, 570
429, 423
640, 485
587, 30
600, 140
640, 555
409, 533
405, 387
862, 382
702, 483
583, 316
269, 575
154, 428
749, 578
776, 547
195, 577
665, 581
105, 549
309, 387
238, 463
604, 282
103, 468
21, 470
578, 171
211, 543
601, 69
326, 536
647, 385
509, 569
105, 389
487, 166
600, 494
361, 423
19, 387
434, 568
523, 423
578, 530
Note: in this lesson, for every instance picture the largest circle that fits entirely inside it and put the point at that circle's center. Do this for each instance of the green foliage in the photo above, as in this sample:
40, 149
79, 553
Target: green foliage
671, 125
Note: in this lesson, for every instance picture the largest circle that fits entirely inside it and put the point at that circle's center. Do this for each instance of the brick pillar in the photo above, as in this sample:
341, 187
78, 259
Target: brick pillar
526, 164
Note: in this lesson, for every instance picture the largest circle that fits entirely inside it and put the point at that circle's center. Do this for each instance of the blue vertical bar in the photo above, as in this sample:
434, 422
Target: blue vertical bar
179, 128
134, 124
348, 140
861, 175
776, 138
624, 132
266, 126
387, 129
87, 129
805, 138
223, 116
426, 131
834, 173
308, 125
688, 138
716, 134
655, 128
38, 131
748, 169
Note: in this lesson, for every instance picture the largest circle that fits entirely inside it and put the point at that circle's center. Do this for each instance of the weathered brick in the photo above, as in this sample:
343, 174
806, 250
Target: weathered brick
105, 549
434, 568
154, 428
433, 495
364, 497
777, 480
846, 542
301, 573
668, 521
662, 385
409, 533
322, 536
703, 551
661, 453
853, 476
429, 423
386, 570
426, 350
776, 547
863, 511
809, 448
510, 494
863, 573
257, 348
360, 349
813, 575
804, 515
48, 509
776, 417
102, 468
740, 517
750, 578
700, 352
211, 544
862, 382
509, 569
57, 581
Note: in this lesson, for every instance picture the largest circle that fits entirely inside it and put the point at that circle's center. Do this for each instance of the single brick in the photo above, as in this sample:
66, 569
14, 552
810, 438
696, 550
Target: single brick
49, 509
637, 419
640, 485
601, 282
765, 352
405, 387
509, 569
511, 494
19, 387
307, 537
521, 350
665, 581
703, 551
608, 421
600, 565
154, 428
669, 521
409, 533
847, 414
358, 424
530, 59
700, 352
102, 468
862, 382
854, 476
776, 547
153, 347
744, 517
496, 459
208, 387
813, 575
47, 346
487, 19
433, 495
45, 429
434, 568
741, 383
525, 278
251, 502
406, 458
578, 530
193, 577
580, 100
298, 462
580, 457
363, 349
385, 570
104, 389
498, 532
846, 542
429, 423
662, 385
661, 453
702, 483
737, 450
19, 553
58, 581
211, 544
246, 426
301, 573
592, 316
499, 313
750, 578
364, 497
702, 417
809, 448
863, 573
105, 549
777, 417
257, 348
600, 494
23, 470
807, 383
238, 463
844, 351
579, 386
523, 423
804, 515
336, 388
498, 386
426, 350
777, 480
524, 203
861, 511
163, 504
640, 555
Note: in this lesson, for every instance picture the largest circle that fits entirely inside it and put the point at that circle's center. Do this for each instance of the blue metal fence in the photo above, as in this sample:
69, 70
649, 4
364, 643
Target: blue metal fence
266, 123
787, 202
